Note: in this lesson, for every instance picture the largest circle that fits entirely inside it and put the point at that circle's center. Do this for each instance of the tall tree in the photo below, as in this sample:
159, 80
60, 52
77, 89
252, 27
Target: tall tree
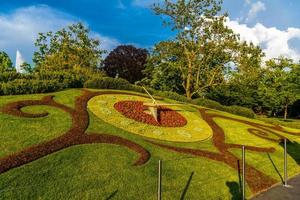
242, 80
207, 43
280, 85
126, 61
67, 49
5, 62
162, 67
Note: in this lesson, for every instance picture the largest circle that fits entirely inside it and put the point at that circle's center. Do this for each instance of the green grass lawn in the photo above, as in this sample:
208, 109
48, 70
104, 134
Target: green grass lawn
105, 171
293, 123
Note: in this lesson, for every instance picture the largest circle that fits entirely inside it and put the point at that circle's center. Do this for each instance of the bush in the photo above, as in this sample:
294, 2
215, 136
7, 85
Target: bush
237, 110
173, 96
11, 76
12, 83
22, 86
108, 83
208, 103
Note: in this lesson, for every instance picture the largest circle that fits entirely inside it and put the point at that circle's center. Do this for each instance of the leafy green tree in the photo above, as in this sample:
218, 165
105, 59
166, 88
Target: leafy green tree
206, 43
67, 49
280, 84
248, 59
27, 68
126, 61
242, 79
163, 67
5, 62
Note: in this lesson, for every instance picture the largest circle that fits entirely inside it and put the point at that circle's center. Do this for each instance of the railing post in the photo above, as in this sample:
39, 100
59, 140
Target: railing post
244, 172
285, 164
159, 180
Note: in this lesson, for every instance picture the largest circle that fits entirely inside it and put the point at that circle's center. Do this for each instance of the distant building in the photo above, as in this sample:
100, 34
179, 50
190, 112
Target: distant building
19, 62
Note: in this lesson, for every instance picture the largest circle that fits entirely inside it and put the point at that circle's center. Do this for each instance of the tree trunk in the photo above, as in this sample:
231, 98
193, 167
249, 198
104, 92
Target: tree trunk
188, 81
285, 112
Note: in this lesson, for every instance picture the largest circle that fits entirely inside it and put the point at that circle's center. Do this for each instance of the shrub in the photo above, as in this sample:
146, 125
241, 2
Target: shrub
21, 86
208, 103
108, 83
172, 95
9, 76
237, 110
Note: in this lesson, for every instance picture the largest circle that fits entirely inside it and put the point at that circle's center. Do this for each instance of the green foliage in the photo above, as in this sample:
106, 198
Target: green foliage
173, 96
205, 43
27, 68
23, 86
279, 86
248, 58
5, 62
163, 68
67, 49
208, 103
12, 83
108, 83
237, 110
9, 76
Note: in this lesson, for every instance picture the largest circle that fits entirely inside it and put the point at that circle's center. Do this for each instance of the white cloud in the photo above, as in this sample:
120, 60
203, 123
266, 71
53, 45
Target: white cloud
273, 41
255, 8
19, 29
107, 43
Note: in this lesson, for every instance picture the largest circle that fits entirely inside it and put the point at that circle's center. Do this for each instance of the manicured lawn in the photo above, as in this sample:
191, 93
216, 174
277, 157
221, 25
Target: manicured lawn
106, 171
293, 123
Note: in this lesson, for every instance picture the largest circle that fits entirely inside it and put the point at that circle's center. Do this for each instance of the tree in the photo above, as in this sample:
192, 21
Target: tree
67, 49
280, 87
242, 79
27, 68
162, 69
207, 44
126, 61
5, 62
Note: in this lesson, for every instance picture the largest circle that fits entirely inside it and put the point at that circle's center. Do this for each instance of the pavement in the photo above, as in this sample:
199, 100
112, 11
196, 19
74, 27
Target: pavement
280, 192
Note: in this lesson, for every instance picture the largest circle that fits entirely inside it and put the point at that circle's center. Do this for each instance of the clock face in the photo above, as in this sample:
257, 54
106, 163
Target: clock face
175, 123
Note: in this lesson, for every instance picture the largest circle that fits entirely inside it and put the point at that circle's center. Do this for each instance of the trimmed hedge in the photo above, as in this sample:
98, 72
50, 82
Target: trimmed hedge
11, 76
237, 110
12, 83
108, 83
23, 86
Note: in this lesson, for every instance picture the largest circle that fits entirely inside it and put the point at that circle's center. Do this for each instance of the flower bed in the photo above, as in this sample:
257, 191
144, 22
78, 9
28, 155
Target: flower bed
136, 110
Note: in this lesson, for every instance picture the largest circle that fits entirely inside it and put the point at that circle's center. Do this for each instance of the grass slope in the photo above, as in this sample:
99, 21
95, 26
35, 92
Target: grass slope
104, 171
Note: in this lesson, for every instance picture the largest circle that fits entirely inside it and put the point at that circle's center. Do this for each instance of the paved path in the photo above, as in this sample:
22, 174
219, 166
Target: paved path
282, 193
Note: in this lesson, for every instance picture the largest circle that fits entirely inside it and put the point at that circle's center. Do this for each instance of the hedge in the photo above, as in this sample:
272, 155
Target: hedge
237, 110
22, 86
12, 83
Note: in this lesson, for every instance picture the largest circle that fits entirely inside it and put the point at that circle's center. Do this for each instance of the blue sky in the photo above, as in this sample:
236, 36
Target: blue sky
272, 24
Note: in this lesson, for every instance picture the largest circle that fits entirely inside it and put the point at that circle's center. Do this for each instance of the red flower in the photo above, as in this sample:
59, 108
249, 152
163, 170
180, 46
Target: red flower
136, 110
